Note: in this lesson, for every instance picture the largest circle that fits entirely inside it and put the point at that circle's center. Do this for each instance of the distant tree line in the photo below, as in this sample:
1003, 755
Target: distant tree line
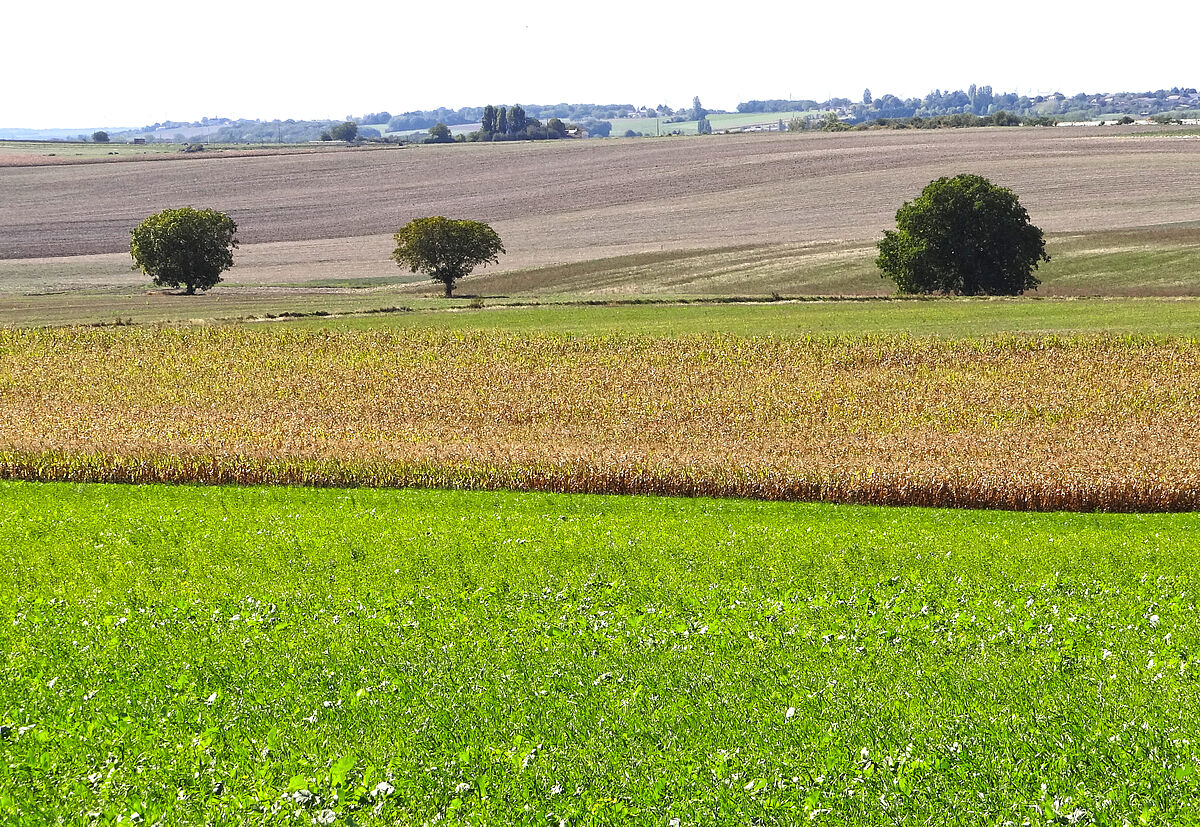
830, 122
971, 107
983, 101
288, 131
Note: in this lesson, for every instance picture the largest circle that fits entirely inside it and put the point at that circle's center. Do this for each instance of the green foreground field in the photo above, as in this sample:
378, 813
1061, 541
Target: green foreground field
277, 656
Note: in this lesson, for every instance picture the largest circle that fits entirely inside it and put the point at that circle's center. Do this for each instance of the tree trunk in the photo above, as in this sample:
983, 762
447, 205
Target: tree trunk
449, 288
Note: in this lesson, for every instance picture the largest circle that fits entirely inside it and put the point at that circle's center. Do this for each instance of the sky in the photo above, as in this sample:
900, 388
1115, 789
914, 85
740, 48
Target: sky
87, 64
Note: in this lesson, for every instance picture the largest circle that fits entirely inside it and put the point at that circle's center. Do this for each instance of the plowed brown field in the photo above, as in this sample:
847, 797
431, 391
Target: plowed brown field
330, 214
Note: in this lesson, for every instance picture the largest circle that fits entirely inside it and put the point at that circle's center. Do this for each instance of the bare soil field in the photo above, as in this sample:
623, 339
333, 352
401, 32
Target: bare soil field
793, 204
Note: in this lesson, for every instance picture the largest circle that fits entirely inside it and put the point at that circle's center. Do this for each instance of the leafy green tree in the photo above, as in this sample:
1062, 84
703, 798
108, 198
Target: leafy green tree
963, 235
502, 121
866, 98
184, 247
100, 136
698, 111
489, 119
446, 249
833, 123
439, 133
347, 131
703, 127
517, 121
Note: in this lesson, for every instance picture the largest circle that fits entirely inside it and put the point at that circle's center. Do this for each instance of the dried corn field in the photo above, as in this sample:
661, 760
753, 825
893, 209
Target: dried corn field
1025, 423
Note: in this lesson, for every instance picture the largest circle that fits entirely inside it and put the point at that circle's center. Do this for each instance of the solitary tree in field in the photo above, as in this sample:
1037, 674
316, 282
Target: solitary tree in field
100, 136
965, 236
184, 247
446, 249
347, 131
439, 133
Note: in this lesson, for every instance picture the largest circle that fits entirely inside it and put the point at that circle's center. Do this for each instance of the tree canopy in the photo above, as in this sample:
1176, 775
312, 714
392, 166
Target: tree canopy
439, 133
963, 235
446, 249
346, 131
184, 247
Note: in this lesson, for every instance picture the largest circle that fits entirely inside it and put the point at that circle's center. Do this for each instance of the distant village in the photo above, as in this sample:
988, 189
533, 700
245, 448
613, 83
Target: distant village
592, 120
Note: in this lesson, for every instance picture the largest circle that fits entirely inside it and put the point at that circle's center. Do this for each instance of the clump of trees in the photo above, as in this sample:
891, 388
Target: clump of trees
345, 131
446, 249
515, 124
100, 136
439, 133
963, 236
184, 247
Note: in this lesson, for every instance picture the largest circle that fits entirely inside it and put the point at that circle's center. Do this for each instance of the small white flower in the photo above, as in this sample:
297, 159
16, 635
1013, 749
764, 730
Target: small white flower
1105, 655
556, 789
673, 823
462, 788
528, 759
1153, 620
791, 713
212, 699
383, 788
325, 817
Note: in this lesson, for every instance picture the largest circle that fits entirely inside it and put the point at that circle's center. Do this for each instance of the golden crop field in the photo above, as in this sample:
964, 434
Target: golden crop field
1038, 423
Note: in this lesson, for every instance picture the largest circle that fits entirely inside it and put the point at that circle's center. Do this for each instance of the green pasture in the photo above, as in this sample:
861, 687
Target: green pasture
180, 655
951, 318
661, 126
81, 149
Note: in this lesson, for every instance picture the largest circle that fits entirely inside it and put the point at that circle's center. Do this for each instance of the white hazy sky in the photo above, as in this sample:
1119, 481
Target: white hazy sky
89, 64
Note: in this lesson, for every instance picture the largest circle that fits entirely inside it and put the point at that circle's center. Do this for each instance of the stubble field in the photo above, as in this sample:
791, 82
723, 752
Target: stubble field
735, 215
